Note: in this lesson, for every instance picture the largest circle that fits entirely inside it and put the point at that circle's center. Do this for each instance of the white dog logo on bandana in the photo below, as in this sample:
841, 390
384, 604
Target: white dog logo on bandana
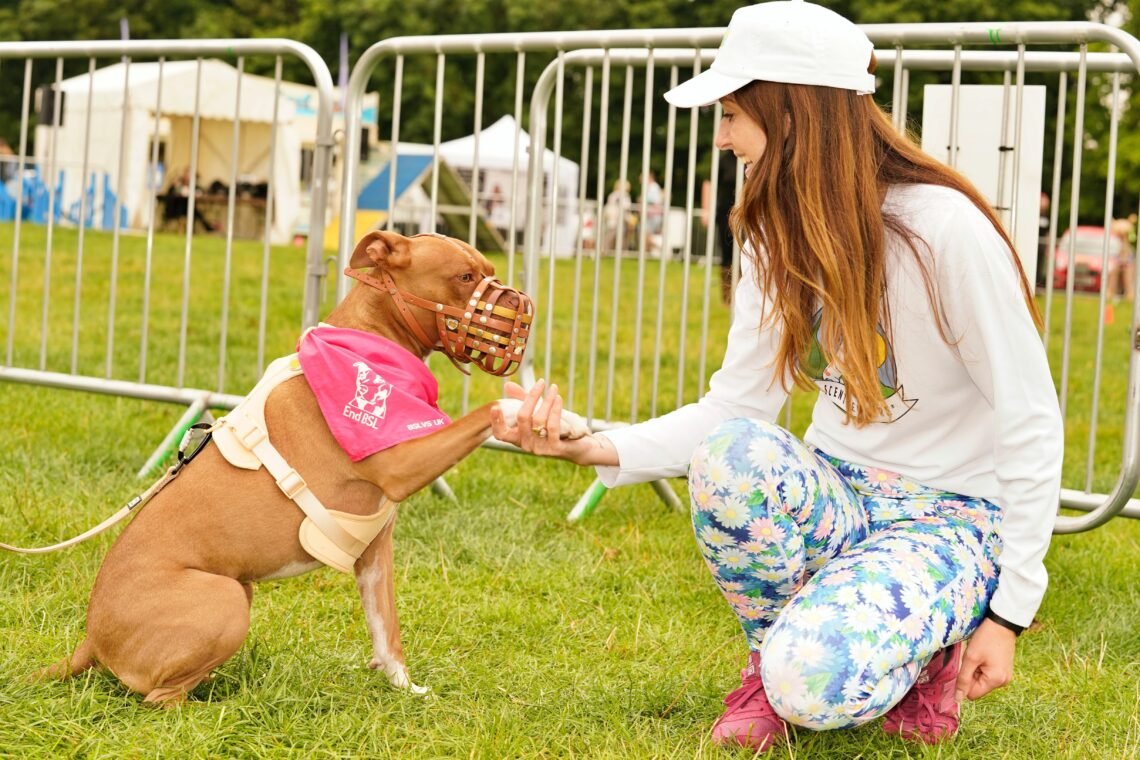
374, 408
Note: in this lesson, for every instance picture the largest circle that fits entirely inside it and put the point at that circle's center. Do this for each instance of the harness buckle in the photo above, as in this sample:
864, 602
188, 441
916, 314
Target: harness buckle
248, 434
291, 484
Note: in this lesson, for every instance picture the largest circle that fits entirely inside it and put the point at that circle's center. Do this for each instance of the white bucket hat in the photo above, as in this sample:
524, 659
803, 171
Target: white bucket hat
789, 41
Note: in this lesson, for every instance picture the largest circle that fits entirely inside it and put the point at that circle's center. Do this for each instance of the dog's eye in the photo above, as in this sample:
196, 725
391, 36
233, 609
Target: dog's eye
466, 277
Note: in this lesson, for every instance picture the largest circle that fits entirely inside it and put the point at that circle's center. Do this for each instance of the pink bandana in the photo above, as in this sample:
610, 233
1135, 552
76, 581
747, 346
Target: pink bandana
372, 392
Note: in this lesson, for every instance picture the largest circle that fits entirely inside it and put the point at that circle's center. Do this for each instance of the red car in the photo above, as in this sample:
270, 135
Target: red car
1088, 259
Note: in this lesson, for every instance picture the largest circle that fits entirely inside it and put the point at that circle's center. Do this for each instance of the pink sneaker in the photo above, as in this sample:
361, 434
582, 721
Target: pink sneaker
929, 712
749, 720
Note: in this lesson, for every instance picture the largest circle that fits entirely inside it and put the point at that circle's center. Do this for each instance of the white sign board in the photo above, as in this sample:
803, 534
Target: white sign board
981, 157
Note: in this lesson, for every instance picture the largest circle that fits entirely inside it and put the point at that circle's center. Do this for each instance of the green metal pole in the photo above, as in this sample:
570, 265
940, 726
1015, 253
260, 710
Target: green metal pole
170, 443
588, 502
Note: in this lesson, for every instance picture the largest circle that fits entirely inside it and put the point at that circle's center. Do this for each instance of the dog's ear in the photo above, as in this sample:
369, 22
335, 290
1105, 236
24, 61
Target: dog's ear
381, 248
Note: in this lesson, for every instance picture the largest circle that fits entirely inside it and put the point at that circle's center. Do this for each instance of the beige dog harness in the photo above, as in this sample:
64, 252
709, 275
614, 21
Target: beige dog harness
335, 538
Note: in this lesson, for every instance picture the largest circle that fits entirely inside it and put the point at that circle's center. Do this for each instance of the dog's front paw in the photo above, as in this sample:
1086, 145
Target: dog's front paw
510, 409
573, 425
398, 676
401, 680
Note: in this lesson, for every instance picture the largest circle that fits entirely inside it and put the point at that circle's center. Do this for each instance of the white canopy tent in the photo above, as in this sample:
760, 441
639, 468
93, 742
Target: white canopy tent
123, 101
498, 146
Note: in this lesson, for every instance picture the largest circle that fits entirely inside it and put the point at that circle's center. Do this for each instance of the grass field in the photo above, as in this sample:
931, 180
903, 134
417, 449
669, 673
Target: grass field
538, 638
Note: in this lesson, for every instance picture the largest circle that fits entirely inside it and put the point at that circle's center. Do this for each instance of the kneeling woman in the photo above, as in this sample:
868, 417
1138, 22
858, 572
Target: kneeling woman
917, 510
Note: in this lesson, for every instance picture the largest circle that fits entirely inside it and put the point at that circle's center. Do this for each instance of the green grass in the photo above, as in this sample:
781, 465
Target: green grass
538, 638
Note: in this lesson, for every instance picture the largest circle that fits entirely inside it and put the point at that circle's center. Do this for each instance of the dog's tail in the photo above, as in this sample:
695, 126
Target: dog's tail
83, 658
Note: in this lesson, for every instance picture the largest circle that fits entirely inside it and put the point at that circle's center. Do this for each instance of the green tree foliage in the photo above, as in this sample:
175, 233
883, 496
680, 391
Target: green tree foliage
956, 11
35, 20
320, 23
1095, 158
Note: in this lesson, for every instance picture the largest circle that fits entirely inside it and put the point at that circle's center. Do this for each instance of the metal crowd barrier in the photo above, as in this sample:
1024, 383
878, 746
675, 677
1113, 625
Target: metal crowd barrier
516, 49
610, 350
608, 347
65, 357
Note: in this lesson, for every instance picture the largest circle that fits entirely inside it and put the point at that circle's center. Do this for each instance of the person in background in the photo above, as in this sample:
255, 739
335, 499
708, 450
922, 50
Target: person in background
915, 514
1044, 259
176, 200
9, 162
1121, 270
652, 198
498, 211
725, 198
616, 214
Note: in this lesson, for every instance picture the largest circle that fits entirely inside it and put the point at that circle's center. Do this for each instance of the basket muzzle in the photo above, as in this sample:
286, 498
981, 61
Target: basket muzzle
491, 332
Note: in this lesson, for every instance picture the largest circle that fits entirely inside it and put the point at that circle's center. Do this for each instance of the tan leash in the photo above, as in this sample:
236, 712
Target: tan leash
138, 501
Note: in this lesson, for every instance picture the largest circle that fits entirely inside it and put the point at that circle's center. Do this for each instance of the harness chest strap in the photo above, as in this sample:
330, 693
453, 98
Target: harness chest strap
254, 438
333, 537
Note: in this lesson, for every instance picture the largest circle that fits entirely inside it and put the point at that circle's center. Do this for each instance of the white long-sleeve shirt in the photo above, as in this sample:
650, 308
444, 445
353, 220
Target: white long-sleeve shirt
976, 416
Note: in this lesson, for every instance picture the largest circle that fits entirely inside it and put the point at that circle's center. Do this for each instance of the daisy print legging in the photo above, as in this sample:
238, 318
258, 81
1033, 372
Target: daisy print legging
847, 579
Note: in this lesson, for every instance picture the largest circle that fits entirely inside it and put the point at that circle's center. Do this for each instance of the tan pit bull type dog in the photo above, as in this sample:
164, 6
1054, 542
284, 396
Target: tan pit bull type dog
171, 601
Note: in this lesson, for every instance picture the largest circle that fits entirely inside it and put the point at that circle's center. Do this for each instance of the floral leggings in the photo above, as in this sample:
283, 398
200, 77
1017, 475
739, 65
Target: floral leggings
846, 578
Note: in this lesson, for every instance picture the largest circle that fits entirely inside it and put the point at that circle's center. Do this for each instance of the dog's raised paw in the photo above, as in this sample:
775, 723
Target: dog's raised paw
573, 425
510, 409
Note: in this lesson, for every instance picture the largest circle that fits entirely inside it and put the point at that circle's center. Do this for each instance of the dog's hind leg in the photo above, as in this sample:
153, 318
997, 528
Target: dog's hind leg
377, 587
200, 622
174, 691
80, 660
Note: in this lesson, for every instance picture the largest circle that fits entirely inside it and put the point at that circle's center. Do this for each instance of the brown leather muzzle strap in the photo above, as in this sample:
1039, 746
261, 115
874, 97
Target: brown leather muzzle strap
490, 332
386, 284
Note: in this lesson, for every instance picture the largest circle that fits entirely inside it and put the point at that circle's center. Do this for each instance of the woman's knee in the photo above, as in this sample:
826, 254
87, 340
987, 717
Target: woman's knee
717, 446
798, 671
798, 686
715, 463
785, 675
723, 460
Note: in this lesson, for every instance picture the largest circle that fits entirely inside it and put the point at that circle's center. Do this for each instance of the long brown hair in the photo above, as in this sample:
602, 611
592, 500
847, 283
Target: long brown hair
811, 211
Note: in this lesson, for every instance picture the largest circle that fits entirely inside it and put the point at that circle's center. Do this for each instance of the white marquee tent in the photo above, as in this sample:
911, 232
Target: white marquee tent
214, 93
497, 151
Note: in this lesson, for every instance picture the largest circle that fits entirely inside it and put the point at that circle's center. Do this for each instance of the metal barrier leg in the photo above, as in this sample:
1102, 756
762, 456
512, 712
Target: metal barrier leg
588, 502
440, 487
668, 496
592, 497
170, 443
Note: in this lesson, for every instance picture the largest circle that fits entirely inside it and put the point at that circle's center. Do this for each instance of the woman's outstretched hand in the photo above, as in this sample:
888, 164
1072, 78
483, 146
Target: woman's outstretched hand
541, 426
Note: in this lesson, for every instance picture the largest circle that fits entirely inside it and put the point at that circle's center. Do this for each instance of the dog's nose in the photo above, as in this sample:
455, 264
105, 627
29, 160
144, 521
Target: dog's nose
511, 300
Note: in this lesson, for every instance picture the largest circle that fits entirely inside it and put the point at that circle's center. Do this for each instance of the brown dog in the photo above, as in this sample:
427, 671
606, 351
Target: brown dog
171, 601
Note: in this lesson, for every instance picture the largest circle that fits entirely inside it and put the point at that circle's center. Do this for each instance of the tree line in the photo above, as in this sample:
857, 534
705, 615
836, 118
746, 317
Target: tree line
320, 24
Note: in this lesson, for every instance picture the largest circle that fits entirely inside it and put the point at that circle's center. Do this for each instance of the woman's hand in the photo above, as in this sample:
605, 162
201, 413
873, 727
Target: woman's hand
988, 662
537, 424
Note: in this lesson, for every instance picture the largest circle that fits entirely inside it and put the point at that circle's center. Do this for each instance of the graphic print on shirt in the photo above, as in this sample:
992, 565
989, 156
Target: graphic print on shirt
370, 404
826, 375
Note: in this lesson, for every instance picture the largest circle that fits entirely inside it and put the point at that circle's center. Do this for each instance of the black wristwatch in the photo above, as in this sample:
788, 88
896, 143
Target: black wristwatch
1017, 629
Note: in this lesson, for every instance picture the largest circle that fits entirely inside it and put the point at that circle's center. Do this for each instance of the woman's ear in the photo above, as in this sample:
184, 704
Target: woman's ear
381, 248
